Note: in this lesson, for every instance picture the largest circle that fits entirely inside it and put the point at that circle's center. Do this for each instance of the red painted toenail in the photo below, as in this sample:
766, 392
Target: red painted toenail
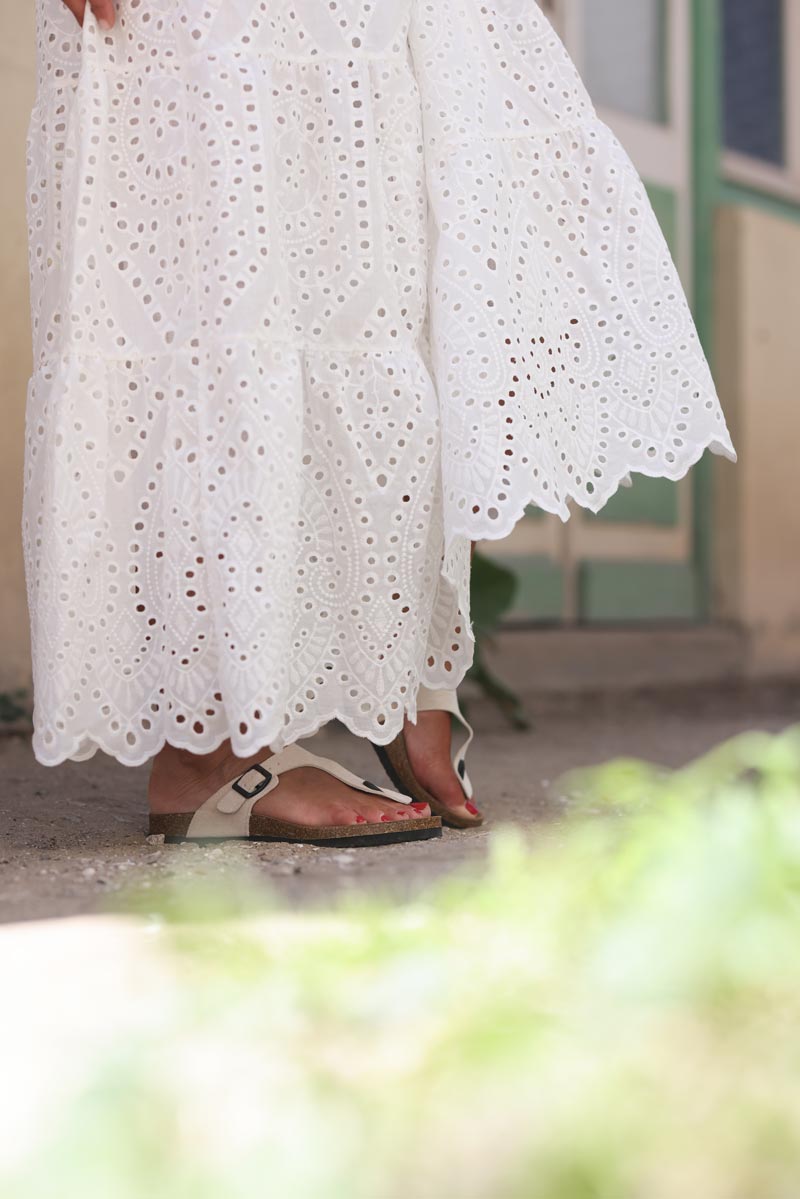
418, 807
473, 811
386, 818
361, 820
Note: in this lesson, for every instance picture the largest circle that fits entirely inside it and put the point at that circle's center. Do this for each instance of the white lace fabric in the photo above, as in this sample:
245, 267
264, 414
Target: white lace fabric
320, 293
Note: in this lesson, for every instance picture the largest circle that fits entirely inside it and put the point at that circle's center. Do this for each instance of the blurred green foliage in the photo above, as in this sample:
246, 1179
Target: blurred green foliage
612, 1012
14, 706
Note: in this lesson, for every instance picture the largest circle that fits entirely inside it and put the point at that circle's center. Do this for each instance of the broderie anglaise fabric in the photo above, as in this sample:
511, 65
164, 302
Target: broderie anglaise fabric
565, 353
320, 292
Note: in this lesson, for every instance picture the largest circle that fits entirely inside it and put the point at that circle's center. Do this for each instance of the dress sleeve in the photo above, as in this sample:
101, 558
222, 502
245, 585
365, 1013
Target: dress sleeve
562, 345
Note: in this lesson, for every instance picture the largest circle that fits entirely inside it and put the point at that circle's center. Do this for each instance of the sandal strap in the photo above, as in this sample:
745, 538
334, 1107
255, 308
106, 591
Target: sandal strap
447, 701
227, 813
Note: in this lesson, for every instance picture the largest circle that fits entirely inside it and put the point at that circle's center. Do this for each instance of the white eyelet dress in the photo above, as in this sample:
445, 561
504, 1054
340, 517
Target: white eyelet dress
321, 292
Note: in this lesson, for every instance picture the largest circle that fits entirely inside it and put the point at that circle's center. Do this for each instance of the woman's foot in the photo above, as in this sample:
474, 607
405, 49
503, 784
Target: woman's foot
428, 748
181, 782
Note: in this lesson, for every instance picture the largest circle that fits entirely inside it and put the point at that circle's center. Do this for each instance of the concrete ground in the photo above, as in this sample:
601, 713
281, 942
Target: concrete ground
72, 840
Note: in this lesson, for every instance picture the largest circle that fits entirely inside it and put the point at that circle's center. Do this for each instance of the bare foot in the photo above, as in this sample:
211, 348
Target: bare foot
428, 746
181, 782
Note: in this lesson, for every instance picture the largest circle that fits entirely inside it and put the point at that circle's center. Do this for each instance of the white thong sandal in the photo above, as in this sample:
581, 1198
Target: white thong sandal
228, 815
395, 760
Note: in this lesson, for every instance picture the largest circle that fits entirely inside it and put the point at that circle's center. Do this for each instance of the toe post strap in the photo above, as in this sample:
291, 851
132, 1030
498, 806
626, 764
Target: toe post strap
447, 701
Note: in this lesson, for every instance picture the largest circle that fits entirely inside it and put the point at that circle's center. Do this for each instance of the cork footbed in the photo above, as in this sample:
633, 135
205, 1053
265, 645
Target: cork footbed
395, 761
175, 827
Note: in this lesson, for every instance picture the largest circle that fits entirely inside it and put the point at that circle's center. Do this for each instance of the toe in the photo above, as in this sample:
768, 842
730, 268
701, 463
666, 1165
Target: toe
372, 812
466, 810
344, 816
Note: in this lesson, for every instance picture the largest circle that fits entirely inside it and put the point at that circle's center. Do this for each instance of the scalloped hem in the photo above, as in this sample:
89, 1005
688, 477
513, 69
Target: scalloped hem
83, 749
70, 726
497, 530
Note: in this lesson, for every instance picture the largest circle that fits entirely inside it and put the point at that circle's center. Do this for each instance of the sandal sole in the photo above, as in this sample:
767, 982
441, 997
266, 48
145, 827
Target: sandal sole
174, 828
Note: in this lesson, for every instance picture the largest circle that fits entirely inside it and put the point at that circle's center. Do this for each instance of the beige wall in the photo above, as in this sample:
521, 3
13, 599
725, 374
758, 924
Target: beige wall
16, 97
758, 367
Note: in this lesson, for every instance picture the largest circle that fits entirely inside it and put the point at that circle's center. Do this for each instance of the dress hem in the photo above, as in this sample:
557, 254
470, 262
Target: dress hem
94, 744
385, 734
502, 528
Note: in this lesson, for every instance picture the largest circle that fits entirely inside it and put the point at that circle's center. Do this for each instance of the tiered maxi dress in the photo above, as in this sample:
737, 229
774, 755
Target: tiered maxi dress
321, 291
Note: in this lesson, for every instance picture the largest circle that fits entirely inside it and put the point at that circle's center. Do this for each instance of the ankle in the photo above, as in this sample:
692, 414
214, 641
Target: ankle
182, 781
